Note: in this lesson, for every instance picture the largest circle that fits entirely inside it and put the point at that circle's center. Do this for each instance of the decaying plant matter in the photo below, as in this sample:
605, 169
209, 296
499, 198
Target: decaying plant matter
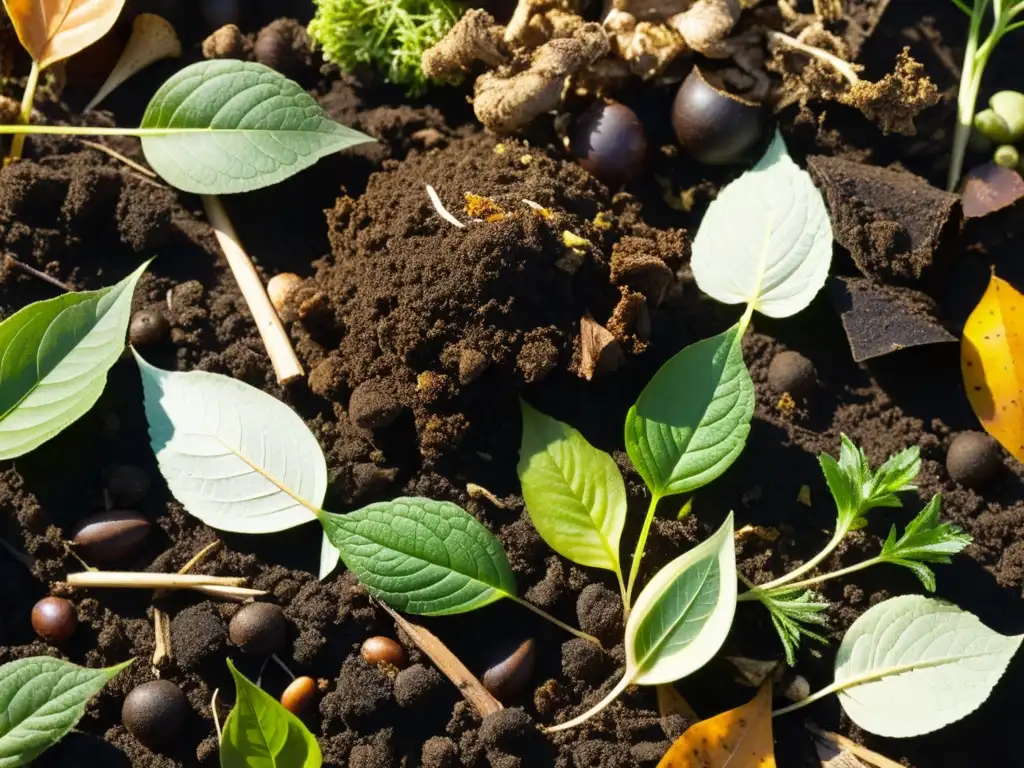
547, 50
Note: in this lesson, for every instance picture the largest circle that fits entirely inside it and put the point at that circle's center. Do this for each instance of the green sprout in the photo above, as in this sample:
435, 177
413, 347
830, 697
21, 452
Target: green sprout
388, 35
976, 56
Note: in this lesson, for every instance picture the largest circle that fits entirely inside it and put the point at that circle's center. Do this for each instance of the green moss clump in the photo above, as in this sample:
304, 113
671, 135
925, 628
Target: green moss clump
389, 35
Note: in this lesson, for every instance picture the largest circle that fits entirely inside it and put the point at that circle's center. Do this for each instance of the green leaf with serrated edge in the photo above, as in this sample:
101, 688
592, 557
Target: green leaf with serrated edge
56, 354
422, 556
224, 126
574, 493
692, 419
683, 615
793, 612
857, 489
912, 664
41, 700
260, 733
925, 540
766, 239
235, 457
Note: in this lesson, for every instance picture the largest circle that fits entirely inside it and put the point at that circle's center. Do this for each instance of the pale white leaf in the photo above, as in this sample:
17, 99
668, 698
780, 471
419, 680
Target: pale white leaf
913, 664
766, 240
235, 457
329, 557
683, 615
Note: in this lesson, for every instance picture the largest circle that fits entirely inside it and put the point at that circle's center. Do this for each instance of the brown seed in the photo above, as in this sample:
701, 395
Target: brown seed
511, 672
259, 629
383, 650
107, 537
973, 459
54, 619
154, 712
148, 326
280, 287
128, 485
298, 695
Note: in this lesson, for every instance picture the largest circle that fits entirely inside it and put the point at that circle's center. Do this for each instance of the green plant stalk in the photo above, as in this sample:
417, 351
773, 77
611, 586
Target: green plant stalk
806, 583
810, 565
558, 623
25, 115
90, 130
976, 56
638, 554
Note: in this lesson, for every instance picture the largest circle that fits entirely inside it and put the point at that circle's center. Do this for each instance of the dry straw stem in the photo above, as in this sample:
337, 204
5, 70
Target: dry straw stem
279, 347
143, 580
449, 664
855, 749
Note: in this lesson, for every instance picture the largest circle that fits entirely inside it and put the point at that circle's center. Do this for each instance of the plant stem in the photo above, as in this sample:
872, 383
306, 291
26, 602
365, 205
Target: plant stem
279, 347
92, 130
557, 622
25, 115
638, 554
831, 575
810, 565
612, 695
13, 263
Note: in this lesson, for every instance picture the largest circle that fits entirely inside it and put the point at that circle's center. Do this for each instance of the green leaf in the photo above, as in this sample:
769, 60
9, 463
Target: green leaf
793, 613
912, 664
766, 239
422, 556
692, 419
857, 489
683, 615
223, 126
925, 540
56, 355
41, 700
574, 493
260, 733
235, 457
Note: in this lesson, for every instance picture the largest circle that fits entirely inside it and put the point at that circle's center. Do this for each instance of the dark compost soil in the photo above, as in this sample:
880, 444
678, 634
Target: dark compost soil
420, 337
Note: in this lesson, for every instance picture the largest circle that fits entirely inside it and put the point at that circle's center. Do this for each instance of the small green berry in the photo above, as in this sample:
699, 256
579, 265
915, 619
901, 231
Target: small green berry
992, 125
1009, 105
1006, 156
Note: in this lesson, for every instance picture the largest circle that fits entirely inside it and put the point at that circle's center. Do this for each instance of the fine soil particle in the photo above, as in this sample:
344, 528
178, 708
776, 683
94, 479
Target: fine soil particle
454, 325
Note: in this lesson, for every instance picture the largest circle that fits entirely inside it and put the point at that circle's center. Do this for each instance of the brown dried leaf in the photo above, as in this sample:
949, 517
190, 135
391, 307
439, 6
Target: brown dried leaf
989, 188
52, 30
600, 351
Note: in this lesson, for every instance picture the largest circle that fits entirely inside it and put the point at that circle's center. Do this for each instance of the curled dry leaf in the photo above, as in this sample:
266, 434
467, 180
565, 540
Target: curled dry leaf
600, 351
992, 363
52, 30
740, 737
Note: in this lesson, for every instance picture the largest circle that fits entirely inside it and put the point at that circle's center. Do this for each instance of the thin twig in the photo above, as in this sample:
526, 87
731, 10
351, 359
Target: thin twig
449, 664
161, 627
216, 718
151, 175
441, 210
144, 580
13, 263
275, 338
842, 67
881, 761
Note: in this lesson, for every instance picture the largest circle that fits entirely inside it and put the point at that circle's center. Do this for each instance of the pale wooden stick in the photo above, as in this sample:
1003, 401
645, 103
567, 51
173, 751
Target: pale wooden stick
449, 664
161, 626
275, 338
143, 580
865, 754
240, 594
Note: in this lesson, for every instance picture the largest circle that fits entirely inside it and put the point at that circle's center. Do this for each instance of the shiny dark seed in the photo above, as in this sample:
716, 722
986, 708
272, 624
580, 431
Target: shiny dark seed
714, 126
511, 672
154, 712
383, 650
609, 141
148, 326
259, 629
54, 619
107, 537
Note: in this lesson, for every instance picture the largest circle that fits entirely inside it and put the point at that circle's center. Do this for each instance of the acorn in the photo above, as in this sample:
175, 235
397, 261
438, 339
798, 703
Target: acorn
154, 712
714, 126
107, 537
609, 142
383, 650
54, 619
148, 326
298, 695
259, 629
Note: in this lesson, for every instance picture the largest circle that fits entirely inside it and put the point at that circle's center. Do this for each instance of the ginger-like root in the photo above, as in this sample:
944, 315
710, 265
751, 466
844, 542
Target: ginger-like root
475, 37
647, 47
707, 24
508, 99
895, 100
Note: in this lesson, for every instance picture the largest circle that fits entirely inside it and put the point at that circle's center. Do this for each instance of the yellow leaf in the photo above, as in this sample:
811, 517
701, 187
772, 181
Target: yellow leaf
992, 363
739, 738
52, 30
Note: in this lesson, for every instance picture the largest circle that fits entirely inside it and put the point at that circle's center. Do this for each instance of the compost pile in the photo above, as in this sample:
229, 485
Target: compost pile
422, 327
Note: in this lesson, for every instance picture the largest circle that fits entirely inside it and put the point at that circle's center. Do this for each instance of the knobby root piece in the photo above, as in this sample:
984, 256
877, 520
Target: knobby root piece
865, 754
448, 663
279, 347
506, 100
475, 37
706, 25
